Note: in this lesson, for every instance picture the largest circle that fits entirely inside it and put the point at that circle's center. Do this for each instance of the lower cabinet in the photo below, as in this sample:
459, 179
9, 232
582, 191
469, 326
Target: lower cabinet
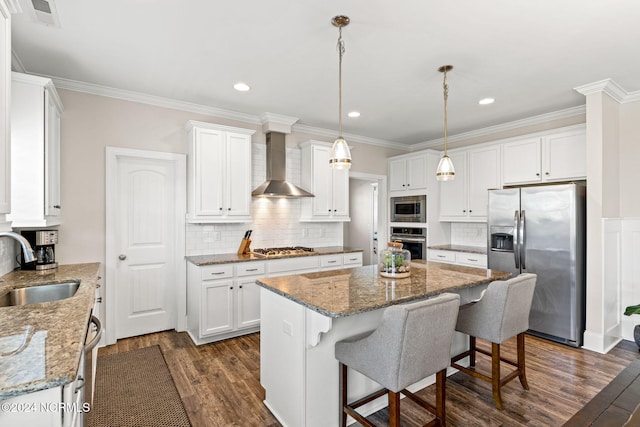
459, 258
223, 300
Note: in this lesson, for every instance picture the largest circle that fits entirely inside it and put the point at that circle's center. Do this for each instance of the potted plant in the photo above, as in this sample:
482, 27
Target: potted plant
634, 309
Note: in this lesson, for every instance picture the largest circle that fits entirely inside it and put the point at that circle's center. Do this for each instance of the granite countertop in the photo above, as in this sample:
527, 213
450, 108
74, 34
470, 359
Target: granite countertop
54, 331
340, 293
227, 258
461, 248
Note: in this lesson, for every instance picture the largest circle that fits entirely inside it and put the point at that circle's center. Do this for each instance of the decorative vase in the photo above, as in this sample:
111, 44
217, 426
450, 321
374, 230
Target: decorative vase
636, 335
395, 262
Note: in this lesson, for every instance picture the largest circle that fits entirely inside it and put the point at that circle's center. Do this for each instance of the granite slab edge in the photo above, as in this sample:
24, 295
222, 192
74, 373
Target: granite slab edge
201, 260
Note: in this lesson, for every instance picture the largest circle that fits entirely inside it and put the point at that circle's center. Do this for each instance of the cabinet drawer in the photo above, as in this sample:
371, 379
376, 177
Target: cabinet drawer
331, 260
284, 266
250, 269
354, 258
442, 256
475, 260
211, 272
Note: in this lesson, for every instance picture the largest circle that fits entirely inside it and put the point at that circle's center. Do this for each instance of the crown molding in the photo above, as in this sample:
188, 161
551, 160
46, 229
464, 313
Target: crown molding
331, 133
272, 122
542, 118
153, 100
611, 88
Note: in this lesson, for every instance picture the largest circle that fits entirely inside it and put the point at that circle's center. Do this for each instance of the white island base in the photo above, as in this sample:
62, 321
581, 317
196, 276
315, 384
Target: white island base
298, 369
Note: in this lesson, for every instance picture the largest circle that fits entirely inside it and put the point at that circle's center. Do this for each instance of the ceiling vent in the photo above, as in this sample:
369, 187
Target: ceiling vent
45, 12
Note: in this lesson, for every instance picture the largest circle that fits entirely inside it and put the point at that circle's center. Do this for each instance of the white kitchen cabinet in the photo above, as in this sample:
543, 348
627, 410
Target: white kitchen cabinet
5, 109
331, 262
223, 300
459, 258
353, 259
329, 186
35, 152
558, 156
465, 198
219, 173
408, 174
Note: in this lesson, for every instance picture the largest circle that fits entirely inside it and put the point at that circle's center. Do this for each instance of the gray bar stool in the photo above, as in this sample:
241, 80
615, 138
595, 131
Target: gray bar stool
412, 342
501, 313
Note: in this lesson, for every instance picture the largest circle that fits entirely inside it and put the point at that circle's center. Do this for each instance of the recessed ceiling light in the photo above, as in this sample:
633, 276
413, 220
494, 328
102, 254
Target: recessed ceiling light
241, 87
486, 101
354, 114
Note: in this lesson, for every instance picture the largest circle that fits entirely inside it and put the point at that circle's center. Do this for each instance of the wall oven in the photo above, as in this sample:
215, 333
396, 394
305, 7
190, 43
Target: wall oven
413, 239
409, 209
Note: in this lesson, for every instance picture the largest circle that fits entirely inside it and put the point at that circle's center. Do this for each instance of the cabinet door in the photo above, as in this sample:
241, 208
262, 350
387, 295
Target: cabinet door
565, 156
484, 174
521, 161
453, 194
209, 158
397, 173
248, 314
340, 193
216, 313
5, 116
322, 182
52, 157
239, 175
417, 172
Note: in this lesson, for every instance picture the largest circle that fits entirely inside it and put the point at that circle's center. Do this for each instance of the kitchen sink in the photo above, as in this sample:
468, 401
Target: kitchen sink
38, 294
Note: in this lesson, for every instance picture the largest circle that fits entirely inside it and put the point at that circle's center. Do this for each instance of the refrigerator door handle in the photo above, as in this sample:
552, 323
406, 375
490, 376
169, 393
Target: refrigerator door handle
516, 250
523, 237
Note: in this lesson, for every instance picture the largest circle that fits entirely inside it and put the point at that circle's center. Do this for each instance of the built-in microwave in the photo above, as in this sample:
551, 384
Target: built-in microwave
409, 209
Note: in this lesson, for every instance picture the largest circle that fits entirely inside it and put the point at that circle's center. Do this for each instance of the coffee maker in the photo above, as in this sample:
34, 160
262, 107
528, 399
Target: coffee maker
42, 242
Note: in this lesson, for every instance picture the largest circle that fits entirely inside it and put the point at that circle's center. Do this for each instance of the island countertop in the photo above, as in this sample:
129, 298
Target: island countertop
55, 331
340, 293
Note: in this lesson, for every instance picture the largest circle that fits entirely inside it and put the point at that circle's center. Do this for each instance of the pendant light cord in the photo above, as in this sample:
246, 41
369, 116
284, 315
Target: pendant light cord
446, 95
341, 50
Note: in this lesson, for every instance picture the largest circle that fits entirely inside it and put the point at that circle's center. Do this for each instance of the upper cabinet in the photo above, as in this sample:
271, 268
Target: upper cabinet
5, 108
465, 198
329, 186
408, 174
35, 152
219, 173
555, 157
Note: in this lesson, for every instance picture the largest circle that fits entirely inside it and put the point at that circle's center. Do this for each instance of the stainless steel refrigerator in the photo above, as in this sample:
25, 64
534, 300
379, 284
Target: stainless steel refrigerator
541, 230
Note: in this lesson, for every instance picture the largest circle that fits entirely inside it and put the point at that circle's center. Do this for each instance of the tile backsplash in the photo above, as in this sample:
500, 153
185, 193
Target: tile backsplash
275, 221
468, 234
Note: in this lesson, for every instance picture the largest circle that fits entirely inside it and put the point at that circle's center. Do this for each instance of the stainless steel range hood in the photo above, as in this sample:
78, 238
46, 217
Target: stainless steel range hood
276, 184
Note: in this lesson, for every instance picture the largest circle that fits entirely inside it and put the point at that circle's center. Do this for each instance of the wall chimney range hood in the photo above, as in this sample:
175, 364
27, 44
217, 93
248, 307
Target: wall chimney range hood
276, 184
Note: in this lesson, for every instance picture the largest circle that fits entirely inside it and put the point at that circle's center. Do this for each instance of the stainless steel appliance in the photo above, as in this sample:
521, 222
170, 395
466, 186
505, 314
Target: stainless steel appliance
413, 239
43, 243
541, 230
282, 251
409, 209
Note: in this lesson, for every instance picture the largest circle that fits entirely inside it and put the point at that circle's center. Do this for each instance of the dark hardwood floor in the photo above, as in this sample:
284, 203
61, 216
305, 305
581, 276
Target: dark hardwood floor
220, 383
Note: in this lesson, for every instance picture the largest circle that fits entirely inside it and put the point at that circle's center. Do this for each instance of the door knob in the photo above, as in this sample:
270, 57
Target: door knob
122, 257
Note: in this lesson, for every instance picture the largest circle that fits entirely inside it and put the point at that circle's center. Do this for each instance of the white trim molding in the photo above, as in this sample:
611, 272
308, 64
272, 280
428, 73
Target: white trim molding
611, 88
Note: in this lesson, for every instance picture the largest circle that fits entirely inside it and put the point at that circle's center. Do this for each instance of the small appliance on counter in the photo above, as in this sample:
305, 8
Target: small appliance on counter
43, 243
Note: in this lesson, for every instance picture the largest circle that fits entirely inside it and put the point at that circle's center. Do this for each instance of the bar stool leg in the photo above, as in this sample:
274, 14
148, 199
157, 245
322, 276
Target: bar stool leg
521, 363
472, 351
343, 394
394, 409
441, 378
495, 375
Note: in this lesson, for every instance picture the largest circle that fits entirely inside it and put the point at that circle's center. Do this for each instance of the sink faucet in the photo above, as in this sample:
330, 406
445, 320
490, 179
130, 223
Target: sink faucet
24, 243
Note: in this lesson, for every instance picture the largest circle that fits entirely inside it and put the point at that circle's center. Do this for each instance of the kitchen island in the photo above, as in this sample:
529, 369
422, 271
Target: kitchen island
304, 315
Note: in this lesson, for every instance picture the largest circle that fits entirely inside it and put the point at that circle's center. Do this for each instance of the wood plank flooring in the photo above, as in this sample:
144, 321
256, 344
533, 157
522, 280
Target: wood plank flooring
220, 383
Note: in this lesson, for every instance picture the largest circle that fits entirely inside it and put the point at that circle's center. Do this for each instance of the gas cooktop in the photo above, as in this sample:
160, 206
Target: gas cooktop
283, 251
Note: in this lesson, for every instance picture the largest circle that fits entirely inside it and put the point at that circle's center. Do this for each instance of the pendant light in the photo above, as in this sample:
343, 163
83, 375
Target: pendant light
445, 171
340, 156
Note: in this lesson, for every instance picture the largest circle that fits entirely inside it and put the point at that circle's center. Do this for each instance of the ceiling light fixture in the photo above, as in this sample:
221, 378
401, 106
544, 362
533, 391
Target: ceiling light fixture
242, 87
354, 114
340, 156
445, 171
486, 101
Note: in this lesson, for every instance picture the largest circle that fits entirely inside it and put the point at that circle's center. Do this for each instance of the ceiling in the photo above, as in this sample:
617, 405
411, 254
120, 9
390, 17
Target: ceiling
528, 56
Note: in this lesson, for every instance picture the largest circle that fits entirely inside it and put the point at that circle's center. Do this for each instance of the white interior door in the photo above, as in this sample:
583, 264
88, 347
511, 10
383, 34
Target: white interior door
145, 243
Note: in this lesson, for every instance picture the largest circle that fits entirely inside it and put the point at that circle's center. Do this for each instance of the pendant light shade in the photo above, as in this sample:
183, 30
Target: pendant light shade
445, 171
340, 155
